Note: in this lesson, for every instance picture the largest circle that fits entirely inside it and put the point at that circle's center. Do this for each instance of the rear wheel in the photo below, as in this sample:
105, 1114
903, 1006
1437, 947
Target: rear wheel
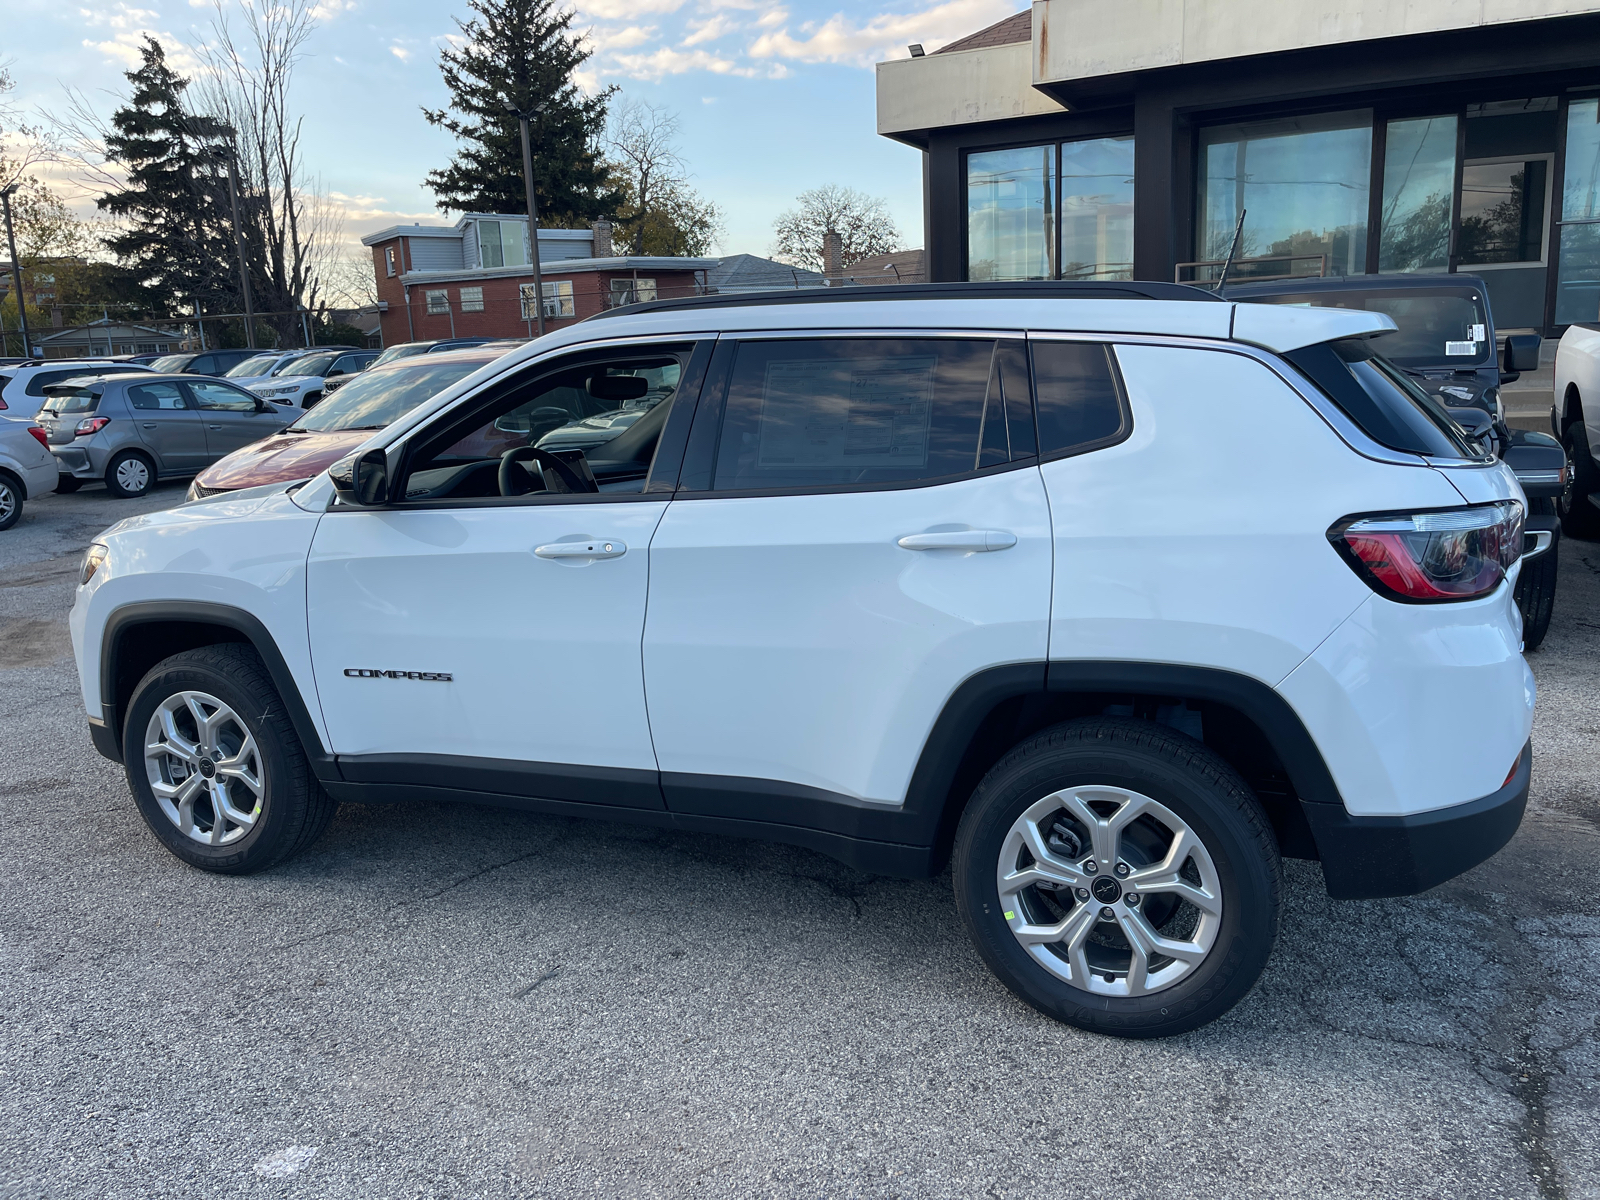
1119, 877
67, 484
215, 766
130, 475
1579, 518
10, 502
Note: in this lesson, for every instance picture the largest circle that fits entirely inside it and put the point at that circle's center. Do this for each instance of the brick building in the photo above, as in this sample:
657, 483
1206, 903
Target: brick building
473, 278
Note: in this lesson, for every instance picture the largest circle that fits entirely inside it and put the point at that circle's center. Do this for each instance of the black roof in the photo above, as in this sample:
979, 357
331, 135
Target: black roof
1349, 283
1026, 290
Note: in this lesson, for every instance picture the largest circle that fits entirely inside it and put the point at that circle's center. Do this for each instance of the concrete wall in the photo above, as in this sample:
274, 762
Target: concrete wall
994, 83
1085, 39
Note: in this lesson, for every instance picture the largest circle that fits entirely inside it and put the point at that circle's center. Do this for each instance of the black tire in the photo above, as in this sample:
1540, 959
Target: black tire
1199, 788
293, 809
130, 484
67, 484
1579, 518
10, 501
1536, 586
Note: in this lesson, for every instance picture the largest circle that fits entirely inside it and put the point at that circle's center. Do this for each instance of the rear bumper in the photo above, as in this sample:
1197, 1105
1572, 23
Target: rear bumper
74, 460
1365, 858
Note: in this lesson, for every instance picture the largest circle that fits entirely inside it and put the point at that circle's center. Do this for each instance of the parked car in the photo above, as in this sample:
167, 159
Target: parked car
1110, 614
319, 438
269, 363
407, 349
27, 470
131, 431
1446, 345
22, 388
202, 362
1575, 420
301, 382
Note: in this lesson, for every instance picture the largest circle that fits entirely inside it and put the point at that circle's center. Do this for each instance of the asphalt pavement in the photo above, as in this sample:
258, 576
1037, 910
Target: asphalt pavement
461, 1002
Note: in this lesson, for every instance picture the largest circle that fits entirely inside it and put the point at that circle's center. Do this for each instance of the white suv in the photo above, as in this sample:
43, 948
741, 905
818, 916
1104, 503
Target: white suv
1107, 595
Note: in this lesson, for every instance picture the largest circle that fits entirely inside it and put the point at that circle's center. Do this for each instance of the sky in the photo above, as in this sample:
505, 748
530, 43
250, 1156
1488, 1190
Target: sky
774, 98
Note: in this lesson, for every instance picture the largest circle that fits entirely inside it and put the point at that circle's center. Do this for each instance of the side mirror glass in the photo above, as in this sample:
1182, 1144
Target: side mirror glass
362, 481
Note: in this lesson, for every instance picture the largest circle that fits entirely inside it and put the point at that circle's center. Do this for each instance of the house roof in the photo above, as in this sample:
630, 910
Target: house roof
103, 326
741, 272
459, 229
1018, 27
898, 266
555, 268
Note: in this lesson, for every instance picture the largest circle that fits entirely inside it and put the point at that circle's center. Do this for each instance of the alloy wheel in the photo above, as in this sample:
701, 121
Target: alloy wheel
8, 501
1109, 890
204, 768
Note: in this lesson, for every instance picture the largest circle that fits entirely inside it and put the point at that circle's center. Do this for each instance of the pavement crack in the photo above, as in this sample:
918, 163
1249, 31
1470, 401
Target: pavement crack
543, 979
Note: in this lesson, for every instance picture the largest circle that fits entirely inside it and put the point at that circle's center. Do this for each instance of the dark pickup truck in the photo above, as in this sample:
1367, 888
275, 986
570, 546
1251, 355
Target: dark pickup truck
1446, 343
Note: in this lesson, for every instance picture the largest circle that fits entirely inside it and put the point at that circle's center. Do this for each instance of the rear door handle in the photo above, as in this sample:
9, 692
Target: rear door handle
213, 426
598, 548
148, 424
960, 539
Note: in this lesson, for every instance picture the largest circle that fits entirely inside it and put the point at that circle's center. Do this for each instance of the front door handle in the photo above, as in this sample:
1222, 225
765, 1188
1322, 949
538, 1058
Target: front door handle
213, 426
960, 539
598, 548
148, 424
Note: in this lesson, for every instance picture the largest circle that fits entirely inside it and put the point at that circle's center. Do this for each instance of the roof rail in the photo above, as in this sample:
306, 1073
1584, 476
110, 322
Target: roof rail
1025, 290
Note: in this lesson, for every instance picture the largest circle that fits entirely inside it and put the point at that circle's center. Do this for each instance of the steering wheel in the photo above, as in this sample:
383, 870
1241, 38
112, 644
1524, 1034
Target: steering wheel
510, 484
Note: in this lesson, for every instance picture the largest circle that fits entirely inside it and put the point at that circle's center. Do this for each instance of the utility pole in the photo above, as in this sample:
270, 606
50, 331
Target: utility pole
16, 267
523, 116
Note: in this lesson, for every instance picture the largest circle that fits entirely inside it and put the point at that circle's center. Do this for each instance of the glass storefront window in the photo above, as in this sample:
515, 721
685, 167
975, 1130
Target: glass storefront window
1011, 218
1097, 209
1419, 179
1502, 211
1304, 183
1578, 282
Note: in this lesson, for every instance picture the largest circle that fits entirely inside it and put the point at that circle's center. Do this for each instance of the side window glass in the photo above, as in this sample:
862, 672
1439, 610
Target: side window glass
837, 412
602, 418
1007, 433
219, 397
1078, 397
156, 396
206, 364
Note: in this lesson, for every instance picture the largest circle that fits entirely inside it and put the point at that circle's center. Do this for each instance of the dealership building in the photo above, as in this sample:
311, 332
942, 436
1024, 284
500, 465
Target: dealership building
1079, 140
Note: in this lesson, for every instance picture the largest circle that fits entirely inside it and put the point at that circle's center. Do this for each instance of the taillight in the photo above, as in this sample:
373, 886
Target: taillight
40, 435
91, 425
1424, 557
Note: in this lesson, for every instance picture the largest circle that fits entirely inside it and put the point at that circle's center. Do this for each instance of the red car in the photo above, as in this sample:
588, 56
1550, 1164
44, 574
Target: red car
377, 397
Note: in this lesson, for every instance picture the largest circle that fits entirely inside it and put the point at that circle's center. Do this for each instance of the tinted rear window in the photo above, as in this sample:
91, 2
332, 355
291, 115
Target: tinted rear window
1079, 403
73, 400
1381, 399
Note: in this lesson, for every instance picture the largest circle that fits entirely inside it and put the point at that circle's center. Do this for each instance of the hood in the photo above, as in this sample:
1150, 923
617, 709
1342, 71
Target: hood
280, 458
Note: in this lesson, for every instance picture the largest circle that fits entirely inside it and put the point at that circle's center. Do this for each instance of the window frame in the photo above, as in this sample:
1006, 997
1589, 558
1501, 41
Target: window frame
190, 386
470, 299
661, 481
442, 296
1123, 432
190, 404
698, 473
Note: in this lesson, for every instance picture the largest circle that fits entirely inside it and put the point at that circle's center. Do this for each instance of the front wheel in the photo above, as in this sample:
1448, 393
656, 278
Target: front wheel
1579, 518
1119, 877
215, 766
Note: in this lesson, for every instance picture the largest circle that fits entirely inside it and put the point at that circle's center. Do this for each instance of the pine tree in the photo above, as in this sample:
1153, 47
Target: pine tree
175, 245
524, 52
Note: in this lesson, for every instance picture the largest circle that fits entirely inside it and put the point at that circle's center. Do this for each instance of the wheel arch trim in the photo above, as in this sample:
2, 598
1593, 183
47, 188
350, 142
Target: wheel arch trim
129, 617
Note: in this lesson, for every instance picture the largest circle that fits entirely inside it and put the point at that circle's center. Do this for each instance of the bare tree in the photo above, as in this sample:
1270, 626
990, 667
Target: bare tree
662, 213
291, 229
22, 146
862, 222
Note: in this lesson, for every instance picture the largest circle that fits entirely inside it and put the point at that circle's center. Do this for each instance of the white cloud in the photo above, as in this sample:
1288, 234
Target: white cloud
668, 61
613, 38
709, 30
773, 16
401, 53
840, 39
612, 10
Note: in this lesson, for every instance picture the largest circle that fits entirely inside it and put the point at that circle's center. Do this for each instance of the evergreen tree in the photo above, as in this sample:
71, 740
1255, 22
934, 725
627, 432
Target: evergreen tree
176, 242
524, 52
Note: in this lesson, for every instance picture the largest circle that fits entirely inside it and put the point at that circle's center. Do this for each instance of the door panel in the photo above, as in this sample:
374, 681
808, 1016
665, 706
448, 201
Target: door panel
794, 638
541, 651
169, 426
230, 417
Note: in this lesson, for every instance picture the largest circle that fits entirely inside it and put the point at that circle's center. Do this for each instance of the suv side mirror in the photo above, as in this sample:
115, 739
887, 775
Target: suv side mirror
335, 371
1521, 354
362, 481
262, 406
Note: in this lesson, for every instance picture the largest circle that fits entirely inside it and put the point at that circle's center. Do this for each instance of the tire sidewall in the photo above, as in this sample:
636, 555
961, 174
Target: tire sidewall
8, 485
265, 842
1249, 920
116, 488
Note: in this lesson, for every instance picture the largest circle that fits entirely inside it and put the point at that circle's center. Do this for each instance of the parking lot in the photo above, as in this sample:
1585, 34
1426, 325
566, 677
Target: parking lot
463, 1002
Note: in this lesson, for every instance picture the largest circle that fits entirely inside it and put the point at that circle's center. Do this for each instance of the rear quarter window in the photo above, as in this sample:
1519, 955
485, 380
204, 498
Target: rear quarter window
1078, 397
1375, 395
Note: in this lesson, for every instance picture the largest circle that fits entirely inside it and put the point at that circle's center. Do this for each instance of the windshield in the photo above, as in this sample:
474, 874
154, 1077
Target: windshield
172, 363
258, 364
75, 400
1438, 327
376, 398
297, 365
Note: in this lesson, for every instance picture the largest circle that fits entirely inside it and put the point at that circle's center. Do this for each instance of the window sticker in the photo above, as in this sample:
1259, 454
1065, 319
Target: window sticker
1478, 333
1453, 349
855, 413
